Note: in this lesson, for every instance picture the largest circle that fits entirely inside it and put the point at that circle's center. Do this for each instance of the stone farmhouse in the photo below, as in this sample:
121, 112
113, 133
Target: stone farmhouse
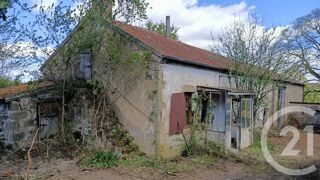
157, 108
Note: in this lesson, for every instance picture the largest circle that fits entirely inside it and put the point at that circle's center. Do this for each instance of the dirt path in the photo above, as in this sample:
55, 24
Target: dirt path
68, 169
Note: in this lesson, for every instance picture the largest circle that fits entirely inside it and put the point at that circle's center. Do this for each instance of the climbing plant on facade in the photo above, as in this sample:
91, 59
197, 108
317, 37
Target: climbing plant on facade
94, 34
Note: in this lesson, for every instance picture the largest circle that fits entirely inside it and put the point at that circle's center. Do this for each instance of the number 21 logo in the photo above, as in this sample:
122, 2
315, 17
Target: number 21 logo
288, 150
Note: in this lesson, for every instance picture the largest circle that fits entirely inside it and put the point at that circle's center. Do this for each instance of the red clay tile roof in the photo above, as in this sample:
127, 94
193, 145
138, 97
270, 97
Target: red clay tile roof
13, 90
171, 48
177, 49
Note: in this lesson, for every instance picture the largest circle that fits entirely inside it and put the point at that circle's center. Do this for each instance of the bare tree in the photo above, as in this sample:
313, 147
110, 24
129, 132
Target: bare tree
302, 43
259, 66
13, 49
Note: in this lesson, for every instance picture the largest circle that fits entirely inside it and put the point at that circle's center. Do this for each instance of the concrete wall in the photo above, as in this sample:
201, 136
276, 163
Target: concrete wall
294, 93
177, 79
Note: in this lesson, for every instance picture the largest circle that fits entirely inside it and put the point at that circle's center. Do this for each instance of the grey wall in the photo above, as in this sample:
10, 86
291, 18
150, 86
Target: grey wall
19, 121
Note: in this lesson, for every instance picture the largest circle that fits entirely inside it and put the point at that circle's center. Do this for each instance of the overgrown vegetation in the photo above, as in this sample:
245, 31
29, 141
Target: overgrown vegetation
102, 159
4, 82
312, 93
255, 148
197, 144
107, 159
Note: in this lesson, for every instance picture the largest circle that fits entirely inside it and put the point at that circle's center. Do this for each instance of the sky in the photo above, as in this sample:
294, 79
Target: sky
199, 19
273, 12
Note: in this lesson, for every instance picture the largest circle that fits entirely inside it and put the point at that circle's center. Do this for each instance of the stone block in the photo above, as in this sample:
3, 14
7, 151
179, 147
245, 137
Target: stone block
33, 114
19, 115
27, 103
14, 106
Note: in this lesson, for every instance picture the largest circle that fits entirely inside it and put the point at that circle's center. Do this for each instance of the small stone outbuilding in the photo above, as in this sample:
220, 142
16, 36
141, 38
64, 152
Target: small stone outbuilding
23, 109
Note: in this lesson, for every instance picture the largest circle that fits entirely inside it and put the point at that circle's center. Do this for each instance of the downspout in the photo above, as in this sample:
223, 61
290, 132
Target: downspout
159, 110
240, 124
252, 119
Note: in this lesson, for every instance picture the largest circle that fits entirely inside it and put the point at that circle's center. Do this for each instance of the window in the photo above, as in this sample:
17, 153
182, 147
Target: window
281, 97
229, 114
181, 113
189, 112
246, 113
214, 110
84, 70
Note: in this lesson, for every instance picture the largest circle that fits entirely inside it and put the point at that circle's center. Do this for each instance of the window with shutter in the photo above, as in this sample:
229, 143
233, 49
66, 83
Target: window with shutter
177, 113
85, 67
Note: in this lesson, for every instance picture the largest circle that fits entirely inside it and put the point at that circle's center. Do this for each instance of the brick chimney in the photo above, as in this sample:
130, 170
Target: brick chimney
168, 27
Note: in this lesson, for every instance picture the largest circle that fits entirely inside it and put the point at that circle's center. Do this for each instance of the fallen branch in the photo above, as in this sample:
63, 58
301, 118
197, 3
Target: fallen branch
29, 155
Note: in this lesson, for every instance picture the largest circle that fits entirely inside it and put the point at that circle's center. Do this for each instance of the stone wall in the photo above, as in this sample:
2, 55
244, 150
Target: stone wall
131, 73
19, 121
3, 118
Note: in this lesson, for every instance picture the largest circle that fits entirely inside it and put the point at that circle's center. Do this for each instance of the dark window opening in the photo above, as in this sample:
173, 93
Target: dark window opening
84, 70
189, 112
204, 111
281, 97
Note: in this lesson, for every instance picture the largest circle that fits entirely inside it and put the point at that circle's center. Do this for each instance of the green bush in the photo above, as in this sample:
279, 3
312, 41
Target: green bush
102, 159
5, 82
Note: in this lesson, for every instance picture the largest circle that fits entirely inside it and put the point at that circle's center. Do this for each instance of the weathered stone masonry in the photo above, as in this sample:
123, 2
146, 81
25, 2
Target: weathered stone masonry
19, 119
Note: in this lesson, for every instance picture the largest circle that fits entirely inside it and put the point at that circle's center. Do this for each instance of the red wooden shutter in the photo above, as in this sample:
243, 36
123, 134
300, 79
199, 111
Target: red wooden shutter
177, 113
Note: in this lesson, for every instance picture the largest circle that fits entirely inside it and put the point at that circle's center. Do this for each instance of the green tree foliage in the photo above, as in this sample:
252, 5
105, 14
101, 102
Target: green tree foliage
160, 28
4, 4
5, 82
312, 93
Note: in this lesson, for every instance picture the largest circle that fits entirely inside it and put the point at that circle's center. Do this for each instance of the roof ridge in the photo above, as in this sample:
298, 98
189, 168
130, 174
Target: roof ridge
155, 33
